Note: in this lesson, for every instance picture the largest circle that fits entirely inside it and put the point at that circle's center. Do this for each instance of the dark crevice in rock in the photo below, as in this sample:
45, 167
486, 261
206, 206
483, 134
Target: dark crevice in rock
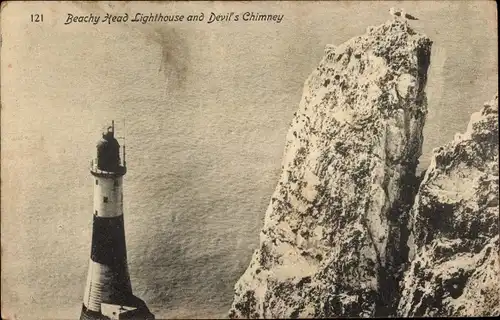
423, 63
397, 250
396, 254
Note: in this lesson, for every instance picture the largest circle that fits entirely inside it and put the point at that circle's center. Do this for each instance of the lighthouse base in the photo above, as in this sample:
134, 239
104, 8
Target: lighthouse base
134, 309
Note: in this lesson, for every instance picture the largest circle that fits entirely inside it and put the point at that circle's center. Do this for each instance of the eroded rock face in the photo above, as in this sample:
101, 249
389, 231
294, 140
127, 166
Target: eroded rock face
455, 268
337, 217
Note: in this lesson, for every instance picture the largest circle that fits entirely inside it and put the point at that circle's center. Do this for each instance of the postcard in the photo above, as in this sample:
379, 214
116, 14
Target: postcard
253, 159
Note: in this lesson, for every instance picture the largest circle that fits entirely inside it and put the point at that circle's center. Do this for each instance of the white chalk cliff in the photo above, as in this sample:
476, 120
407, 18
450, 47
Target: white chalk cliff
455, 269
334, 240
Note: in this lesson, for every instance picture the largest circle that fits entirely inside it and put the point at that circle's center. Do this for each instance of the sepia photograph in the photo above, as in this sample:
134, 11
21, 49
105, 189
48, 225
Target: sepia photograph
249, 159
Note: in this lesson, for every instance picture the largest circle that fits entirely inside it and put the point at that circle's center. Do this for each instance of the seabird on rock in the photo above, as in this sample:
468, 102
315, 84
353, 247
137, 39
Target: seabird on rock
401, 13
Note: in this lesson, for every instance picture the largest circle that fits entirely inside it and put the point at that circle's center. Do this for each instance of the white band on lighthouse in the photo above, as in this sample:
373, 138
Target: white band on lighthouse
108, 196
100, 281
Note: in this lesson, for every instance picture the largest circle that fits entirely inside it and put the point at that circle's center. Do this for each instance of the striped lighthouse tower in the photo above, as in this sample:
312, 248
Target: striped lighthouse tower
108, 291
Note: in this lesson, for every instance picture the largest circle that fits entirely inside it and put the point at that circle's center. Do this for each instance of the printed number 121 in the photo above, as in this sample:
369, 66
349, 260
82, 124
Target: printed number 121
37, 17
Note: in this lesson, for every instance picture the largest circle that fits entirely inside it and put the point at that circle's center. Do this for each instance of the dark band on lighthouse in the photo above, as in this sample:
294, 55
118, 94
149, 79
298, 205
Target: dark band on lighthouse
108, 241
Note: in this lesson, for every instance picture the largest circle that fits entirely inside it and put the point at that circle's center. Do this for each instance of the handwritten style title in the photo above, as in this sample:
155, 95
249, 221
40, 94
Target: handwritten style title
165, 18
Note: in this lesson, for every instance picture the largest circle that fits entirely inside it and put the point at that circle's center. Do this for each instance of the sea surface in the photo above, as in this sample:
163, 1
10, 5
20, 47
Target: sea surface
204, 109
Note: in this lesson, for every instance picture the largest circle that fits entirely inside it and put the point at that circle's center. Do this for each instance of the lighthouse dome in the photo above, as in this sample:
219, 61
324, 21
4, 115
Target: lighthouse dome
108, 152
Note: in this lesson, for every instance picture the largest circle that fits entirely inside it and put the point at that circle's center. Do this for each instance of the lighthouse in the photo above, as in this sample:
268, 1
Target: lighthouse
108, 291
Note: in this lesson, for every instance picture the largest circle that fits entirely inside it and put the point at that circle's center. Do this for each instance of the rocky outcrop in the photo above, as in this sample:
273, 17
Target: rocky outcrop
335, 232
455, 269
